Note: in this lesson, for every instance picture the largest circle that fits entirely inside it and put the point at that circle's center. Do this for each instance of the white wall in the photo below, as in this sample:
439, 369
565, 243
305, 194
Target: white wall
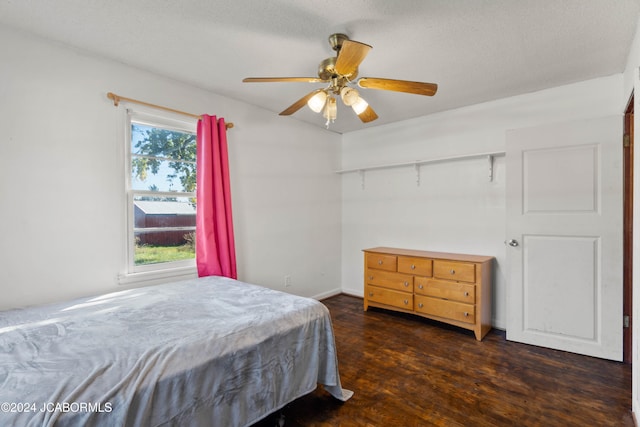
61, 182
455, 208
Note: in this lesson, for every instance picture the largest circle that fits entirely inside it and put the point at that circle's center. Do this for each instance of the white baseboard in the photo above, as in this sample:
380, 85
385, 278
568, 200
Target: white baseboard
353, 292
327, 294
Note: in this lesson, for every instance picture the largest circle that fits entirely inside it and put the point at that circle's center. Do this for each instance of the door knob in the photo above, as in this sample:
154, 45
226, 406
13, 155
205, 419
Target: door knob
513, 242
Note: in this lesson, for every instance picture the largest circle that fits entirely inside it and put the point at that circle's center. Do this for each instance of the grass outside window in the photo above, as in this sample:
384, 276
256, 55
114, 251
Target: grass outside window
147, 254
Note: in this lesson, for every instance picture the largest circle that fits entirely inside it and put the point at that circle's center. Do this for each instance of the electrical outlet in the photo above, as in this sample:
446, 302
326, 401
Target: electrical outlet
287, 281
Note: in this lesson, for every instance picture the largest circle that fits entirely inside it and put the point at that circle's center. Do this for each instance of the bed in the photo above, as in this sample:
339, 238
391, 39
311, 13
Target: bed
203, 352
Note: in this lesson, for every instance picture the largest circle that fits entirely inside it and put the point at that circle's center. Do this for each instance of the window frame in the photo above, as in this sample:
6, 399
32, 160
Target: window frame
158, 271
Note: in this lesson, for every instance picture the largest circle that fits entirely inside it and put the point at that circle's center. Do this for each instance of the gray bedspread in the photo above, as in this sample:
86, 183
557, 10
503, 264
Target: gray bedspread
203, 352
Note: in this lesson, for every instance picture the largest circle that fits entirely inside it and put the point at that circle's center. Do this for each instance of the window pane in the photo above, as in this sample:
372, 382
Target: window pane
162, 159
162, 175
164, 229
154, 254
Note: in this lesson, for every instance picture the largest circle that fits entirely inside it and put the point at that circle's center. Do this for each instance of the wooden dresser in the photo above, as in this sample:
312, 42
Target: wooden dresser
450, 288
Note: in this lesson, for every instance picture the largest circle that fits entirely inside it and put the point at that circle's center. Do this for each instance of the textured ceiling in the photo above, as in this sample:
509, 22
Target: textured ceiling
475, 50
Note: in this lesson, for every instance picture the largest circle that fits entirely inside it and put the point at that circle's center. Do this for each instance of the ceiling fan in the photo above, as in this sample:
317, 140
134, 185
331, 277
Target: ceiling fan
340, 72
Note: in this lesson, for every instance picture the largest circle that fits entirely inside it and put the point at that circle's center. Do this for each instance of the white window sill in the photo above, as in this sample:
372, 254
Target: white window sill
158, 276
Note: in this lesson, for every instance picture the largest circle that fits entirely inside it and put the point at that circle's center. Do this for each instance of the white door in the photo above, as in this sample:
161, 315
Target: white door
564, 236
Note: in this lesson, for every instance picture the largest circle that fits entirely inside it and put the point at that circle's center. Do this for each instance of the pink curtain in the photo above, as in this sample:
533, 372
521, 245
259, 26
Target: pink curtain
215, 246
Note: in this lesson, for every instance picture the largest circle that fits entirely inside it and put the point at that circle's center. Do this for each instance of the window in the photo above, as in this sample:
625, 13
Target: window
160, 186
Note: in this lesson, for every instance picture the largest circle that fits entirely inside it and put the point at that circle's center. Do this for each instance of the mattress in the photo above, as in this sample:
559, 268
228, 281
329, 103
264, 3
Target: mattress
202, 352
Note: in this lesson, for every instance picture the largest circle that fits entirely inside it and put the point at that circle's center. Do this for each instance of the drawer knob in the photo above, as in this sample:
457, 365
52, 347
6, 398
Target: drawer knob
406, 284
406, 302
370, 277
466, 294
466, 314
420, 286
379, 262
413, 267
420, 305
370, 294
452, 271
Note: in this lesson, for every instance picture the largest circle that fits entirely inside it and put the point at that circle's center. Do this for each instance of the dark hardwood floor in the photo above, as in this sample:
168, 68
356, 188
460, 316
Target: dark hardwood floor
409, 371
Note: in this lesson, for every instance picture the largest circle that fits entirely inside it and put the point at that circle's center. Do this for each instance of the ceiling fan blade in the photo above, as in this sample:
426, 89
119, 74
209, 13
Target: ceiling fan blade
351, 54
418, 88
299, 103
368, 115
282, 79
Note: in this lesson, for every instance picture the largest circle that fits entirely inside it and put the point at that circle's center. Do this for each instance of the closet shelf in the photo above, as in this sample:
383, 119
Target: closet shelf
417, 163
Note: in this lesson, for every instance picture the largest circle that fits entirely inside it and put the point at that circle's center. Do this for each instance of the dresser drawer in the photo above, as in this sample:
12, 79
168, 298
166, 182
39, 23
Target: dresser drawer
446, 309
382, 262
417, 266
391, 280
453, 270
390, 297
454, 291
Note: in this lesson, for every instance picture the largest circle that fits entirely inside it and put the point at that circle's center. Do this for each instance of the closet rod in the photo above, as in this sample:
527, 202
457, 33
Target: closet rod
117, 98
422, 162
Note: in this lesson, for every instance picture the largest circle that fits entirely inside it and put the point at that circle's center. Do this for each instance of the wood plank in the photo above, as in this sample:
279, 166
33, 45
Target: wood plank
410, 371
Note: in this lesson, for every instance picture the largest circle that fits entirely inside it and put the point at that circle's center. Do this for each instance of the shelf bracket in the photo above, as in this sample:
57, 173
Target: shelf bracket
490, 159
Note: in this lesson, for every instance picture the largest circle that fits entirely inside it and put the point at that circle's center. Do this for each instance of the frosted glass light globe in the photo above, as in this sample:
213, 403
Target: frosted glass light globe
349, 95
360, 105
317, 101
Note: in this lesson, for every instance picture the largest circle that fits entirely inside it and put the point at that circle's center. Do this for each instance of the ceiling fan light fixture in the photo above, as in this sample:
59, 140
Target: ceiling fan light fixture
330, 110
349, 95
359, 106
317, 101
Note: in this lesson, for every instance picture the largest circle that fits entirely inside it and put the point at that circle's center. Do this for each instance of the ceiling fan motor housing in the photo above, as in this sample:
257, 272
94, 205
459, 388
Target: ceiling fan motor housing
327, 70
335, 40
